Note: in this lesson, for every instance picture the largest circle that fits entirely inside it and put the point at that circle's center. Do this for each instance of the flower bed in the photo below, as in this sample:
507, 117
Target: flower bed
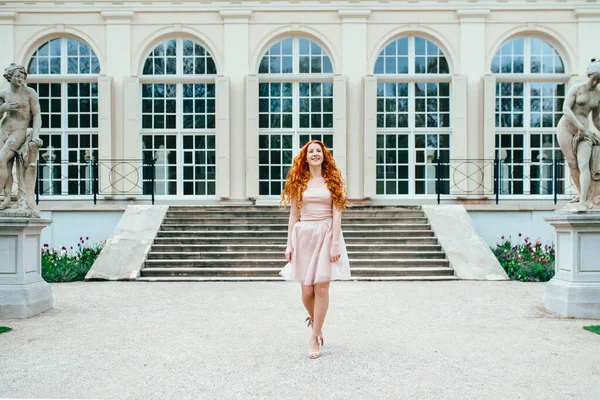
525, 261
69, 265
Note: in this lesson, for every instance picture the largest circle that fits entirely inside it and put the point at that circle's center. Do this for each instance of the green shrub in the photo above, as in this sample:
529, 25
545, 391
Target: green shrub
4, 329
593, 328
69, 265
526, 261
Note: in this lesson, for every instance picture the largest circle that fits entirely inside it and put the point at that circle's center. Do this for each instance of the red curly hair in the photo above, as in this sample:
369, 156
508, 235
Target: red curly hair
299, 174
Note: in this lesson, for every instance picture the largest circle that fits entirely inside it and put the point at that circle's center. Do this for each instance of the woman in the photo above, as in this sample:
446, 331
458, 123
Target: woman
316, 252
579, 145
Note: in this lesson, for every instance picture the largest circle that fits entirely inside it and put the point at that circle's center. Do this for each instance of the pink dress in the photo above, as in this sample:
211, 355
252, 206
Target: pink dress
311, 241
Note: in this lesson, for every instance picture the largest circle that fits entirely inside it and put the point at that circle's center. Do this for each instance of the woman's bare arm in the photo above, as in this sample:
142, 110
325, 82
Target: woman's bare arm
334, 253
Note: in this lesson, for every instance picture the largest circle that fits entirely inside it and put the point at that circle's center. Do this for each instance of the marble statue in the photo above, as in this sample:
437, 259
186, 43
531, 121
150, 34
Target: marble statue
580, 146
18, 145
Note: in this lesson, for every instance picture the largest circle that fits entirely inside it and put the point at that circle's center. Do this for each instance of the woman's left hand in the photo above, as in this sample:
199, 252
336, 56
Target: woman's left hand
334, 253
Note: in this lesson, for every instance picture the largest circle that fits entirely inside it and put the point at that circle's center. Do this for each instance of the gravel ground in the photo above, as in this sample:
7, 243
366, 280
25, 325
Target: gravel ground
383, 340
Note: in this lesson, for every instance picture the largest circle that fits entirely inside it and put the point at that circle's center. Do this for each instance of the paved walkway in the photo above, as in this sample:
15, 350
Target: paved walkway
383, 340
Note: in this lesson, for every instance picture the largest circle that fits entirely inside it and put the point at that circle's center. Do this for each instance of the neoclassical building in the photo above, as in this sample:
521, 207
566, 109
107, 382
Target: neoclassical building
207, 102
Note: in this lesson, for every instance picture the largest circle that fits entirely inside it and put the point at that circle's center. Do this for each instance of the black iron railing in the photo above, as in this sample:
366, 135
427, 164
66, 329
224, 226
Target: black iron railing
90, 179
469, 178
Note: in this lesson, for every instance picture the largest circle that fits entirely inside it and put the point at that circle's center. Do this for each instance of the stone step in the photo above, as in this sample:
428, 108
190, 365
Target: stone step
284, 227
285, 213
254, 209
263, 263
274, 272
182, 278
363, 241
239, 247
278, 234
278, 255
284, 220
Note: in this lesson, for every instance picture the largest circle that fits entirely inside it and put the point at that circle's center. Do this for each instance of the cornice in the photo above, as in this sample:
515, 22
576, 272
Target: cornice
121, 17
352, 15
236, 16
470, 15
583, 7
588, 15
8, 15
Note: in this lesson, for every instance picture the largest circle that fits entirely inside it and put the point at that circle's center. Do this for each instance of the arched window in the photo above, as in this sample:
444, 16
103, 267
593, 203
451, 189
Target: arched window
413, 117
64, 73
295, 106
178, 118
530, 91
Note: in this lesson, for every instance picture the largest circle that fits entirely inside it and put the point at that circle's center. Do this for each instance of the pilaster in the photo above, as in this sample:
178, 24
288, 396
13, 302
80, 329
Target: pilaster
354, 50
236, 68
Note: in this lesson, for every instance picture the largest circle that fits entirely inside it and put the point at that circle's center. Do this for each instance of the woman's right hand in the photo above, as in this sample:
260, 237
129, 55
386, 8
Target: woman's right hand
288, 253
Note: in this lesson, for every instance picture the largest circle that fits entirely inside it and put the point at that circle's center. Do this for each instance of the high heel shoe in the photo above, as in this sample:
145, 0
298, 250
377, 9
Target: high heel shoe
309, 321
316, 354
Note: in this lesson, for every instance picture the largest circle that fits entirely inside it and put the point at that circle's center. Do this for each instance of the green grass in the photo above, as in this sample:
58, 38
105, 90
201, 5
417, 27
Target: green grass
593, 328
4, 329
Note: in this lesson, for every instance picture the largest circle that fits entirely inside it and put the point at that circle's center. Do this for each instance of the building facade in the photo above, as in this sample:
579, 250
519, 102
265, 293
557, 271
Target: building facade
208, 101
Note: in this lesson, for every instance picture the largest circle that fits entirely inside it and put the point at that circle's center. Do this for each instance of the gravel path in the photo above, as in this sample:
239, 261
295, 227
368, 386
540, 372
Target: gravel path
383, 340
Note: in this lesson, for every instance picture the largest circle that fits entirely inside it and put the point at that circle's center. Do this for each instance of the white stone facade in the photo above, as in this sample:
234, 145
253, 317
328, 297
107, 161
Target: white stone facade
353, 34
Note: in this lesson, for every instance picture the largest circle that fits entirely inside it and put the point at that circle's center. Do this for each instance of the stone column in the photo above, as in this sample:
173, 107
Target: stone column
118, 67
339, 125
370, 136
473, 66
354, 59
235, 67
462, 172
489, 117
575, 289
587, 28
251, 136
105, 138
23, 292
7, 33
222, 136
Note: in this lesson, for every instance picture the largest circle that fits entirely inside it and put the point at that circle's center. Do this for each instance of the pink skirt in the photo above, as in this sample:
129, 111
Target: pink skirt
311, 242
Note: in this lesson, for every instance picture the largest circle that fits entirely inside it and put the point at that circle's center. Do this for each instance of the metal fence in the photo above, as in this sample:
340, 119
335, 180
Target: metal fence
89, 180
447, 179
502, 179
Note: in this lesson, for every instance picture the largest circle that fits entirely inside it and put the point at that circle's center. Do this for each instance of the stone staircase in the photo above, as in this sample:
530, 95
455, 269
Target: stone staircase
248, 243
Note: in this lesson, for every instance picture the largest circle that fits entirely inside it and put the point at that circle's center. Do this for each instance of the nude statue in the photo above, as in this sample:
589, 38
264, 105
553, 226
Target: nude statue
580, 146
19, 105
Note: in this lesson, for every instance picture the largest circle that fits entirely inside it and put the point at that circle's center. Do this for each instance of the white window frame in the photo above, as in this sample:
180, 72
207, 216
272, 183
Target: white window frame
527, 78
64, 78
295, 78
411, 77
179, 79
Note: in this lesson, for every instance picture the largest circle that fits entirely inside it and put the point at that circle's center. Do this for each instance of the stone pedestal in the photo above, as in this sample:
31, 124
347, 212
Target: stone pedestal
575, 289
23, 292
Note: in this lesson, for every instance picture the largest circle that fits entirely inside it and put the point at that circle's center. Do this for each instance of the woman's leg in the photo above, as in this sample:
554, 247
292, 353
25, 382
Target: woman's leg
308, 299
321, 306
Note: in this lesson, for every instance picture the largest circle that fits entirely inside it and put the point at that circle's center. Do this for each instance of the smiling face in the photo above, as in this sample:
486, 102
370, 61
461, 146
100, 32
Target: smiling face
314, 155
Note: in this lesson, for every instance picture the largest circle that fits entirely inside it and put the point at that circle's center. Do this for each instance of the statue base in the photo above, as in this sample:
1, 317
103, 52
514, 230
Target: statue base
19, 213
23, 291
575, 289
